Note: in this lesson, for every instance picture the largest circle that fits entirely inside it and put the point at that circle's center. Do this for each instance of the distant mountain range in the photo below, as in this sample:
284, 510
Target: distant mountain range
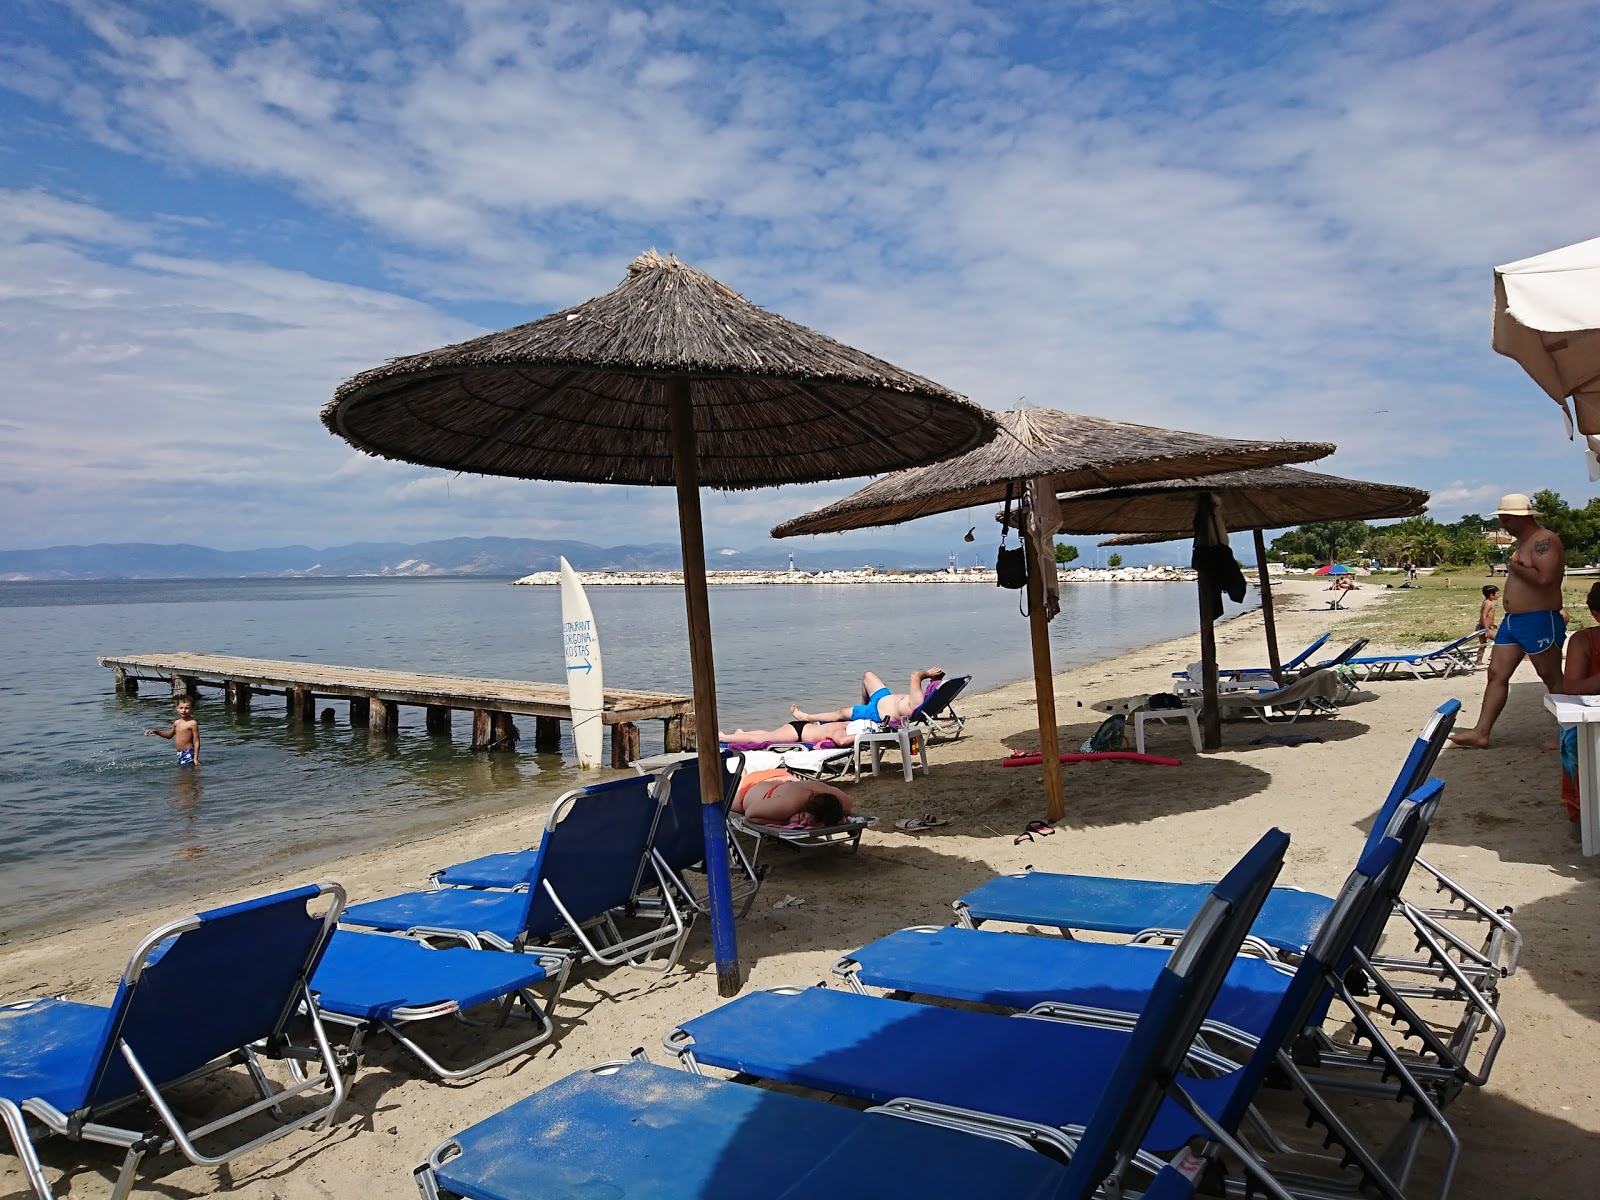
452, 556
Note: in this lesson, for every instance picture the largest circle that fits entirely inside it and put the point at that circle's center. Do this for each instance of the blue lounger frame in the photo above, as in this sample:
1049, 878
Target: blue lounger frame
198, 995
581, 880
636, 1129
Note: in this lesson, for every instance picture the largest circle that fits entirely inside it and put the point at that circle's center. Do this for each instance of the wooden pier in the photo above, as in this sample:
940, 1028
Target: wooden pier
375, 697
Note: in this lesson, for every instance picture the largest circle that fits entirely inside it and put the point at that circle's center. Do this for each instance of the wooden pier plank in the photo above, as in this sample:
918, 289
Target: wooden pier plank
518, 696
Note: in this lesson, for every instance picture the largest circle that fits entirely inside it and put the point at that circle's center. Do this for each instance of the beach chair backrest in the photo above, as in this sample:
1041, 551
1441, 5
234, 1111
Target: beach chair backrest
1416, 768
1345, 655
939, 698
1308, 995
212, 984
1409, 826
1173, 1014
680, 837
590, 854
1299, 659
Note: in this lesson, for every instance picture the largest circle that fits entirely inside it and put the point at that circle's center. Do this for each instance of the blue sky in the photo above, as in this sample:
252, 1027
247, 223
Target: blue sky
1267, 219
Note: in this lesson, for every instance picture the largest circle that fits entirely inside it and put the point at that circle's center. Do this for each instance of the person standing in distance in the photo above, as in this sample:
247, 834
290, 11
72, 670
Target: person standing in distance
1533, 625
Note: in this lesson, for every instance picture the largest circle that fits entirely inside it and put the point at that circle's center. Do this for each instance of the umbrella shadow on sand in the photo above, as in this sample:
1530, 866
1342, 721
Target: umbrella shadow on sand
997, 801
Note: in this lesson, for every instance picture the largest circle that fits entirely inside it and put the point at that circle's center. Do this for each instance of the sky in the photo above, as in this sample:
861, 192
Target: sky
1275, 218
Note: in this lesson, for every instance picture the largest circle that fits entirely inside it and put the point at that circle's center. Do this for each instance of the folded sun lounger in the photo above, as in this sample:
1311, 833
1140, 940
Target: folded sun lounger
199, 995
635, 1129
582, 878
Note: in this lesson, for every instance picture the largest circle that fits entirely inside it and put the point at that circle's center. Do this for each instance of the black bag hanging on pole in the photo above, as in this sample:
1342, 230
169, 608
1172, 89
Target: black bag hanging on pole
1010, 566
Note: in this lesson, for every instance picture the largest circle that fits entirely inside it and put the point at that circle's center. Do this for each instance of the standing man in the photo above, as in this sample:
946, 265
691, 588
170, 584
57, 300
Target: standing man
1533, 625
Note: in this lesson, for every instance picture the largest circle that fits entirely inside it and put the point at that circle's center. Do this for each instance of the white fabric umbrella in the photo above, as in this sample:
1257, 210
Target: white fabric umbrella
1547, 318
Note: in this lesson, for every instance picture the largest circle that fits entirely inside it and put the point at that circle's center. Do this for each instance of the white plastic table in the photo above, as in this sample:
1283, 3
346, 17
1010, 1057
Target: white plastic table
1571, 710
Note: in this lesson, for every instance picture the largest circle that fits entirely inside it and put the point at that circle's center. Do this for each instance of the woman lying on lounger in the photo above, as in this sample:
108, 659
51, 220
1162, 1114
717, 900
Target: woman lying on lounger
779, 798
840, 733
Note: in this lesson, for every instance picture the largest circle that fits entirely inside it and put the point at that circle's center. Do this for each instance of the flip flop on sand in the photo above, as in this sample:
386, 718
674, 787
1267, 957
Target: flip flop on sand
918, 824
1042, 828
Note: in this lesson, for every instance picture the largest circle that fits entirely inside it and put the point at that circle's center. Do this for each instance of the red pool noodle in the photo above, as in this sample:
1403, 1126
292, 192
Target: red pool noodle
1033, 760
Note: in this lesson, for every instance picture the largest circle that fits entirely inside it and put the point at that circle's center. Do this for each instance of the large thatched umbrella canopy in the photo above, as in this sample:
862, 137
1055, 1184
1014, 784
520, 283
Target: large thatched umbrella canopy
670, 378
1065, 451
1255, 500
580, 395
1268, 499
1072, 450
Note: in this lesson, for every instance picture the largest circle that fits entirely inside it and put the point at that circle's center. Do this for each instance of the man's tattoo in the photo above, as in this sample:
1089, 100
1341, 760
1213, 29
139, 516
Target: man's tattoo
1542, 546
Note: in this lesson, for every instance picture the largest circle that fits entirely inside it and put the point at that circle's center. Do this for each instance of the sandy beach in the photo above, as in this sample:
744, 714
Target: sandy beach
1534, 1130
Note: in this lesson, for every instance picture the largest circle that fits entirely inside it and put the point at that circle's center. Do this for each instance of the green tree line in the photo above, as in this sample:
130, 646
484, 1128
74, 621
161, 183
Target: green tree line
1427, 542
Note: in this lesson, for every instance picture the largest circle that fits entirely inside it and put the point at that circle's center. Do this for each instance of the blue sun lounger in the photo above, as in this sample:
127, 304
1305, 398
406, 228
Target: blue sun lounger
1153, 910
199, 994
1105, 982
582, 876
1299, 660
636, 1130
947, 1063
373, 981
1439, 663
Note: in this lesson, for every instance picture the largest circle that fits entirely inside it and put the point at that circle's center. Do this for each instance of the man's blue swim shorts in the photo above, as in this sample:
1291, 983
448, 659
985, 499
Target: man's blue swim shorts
1535, 632
186, 757
869, 710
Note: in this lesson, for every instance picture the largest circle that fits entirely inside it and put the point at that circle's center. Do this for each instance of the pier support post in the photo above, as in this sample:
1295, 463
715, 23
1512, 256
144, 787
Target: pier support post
624, 744
302, 706
127, 685
237, 695
482, 729
502, 732
439, 720
383, 717
360, 711
547, 735
689, 739
185, 685
672, 735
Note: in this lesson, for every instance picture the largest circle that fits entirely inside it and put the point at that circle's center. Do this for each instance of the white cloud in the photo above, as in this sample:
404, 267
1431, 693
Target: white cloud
1098, 213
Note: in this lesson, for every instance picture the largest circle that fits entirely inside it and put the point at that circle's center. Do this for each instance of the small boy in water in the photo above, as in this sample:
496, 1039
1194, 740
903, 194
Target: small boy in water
184, 734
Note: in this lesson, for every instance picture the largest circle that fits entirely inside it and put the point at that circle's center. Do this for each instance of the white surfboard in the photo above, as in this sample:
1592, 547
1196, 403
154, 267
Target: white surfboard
586, 689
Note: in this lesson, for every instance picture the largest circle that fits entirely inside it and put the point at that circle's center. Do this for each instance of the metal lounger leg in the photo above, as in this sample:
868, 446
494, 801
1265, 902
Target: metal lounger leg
11, 1116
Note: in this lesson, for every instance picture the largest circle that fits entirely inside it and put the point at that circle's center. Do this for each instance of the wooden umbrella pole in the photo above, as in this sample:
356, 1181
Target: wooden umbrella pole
686, 471
1044, 691
1210, 712
1266, 609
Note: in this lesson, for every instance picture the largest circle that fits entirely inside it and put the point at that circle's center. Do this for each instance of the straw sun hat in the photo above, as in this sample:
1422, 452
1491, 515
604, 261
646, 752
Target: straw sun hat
1515, 505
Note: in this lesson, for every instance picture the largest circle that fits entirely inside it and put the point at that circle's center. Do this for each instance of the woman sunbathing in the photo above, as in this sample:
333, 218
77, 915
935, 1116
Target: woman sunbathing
780, 798
840, 733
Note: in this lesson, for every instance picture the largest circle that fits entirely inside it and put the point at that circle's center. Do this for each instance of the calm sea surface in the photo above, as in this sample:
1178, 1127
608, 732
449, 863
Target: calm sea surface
92, 815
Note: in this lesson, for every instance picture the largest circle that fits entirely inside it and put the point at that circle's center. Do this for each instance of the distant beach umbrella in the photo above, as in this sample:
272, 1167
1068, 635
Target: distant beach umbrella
1061, 451
1547, 318
1274, 498
670, 379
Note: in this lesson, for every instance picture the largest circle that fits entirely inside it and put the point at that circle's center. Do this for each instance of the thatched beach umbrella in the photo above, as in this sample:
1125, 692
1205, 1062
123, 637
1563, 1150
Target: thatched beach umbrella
669, 379
1066, 452
1255, 500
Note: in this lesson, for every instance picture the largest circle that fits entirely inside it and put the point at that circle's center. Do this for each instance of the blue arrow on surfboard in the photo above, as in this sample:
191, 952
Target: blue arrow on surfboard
586, 666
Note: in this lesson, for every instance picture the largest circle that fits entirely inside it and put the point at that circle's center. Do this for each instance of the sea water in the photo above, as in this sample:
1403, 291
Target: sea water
95, 817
